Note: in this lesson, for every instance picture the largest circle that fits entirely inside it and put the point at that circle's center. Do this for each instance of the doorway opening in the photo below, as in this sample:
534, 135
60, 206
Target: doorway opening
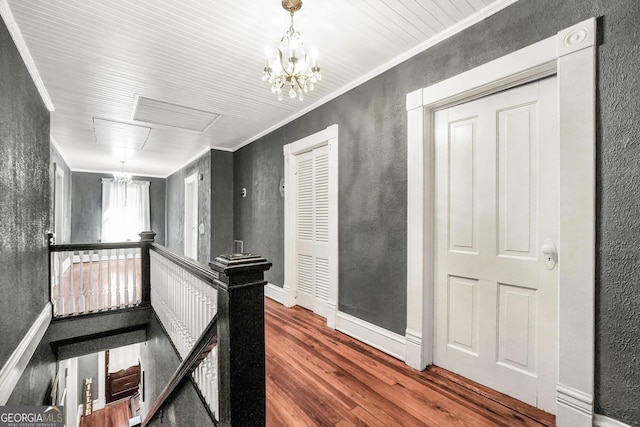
191, 216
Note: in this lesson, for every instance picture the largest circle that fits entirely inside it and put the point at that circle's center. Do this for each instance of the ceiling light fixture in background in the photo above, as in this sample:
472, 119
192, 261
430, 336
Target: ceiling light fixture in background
121, 178
292, 66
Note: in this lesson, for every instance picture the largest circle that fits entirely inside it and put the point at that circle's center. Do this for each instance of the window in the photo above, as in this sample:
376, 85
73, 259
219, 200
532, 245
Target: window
125, 210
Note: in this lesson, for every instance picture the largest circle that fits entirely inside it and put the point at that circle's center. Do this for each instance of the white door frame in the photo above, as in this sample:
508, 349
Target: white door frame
58, 203
328, 136
193, 209
571, 54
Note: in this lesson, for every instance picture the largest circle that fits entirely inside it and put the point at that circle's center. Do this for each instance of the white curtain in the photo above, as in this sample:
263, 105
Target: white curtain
125, 210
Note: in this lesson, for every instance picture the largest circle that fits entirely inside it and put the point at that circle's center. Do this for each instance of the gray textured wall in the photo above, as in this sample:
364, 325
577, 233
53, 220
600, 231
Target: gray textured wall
372, 182
86, 206
25, 199
175, 207
221, 203
215, 205
259, 217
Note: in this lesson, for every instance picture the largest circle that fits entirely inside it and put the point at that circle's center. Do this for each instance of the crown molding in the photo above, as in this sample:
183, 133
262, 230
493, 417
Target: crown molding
21, 45
450, 32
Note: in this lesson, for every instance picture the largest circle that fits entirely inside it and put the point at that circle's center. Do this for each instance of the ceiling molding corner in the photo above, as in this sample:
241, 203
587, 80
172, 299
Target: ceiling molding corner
21, 45
479, 16
59, 150
193, 159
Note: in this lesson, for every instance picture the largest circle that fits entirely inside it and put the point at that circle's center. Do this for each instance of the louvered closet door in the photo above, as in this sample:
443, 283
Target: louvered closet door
312, 225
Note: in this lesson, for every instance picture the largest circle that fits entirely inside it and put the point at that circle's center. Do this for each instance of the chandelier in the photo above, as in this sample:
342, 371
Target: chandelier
292, 67
121, 178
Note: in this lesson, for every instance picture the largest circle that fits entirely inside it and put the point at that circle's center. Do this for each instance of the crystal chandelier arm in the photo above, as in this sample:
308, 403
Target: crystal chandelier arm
300, 70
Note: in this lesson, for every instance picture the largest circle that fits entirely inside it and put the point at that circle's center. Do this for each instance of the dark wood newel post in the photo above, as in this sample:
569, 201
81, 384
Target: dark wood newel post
241, 342
146, 240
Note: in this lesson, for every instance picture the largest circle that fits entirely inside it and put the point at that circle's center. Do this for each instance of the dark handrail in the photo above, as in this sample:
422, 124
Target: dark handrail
93, 246
208, 339
199, 270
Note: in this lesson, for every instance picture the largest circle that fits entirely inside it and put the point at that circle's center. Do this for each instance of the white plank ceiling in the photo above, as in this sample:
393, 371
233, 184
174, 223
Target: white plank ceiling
97, 57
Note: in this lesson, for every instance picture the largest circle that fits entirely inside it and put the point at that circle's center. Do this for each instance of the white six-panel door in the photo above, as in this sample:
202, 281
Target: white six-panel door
312, 229
497, 161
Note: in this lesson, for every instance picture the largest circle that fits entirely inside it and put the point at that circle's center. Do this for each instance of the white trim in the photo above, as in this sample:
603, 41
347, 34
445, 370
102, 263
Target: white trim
79, 413
328, 136
58, 204
188, 162
458, 27
191, 180
602, 421
274, 292
574, 399
21, 45
19, 359
384, 340
101, 381
218, 148
59, 150
571, 54
133, 174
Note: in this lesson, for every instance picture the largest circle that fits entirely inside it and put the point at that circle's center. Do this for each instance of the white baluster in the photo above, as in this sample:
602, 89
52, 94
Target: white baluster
183, 304
109, 281
82, 307
72, 293
60, 282
185, 311
91, 284
135, 277
100, 278
127, 291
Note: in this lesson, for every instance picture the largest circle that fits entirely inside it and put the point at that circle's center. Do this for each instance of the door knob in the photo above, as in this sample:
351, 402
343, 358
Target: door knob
550, 254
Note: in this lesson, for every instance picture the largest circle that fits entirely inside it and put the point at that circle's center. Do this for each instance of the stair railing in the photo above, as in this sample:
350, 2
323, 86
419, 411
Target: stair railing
215, 320
96, 277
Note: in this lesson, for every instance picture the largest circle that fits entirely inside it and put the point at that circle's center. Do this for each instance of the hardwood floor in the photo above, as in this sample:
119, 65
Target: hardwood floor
320, 377
115, 414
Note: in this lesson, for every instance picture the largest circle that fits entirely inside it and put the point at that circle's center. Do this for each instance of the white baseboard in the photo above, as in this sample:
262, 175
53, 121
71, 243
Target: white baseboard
574, 407
414, 356
602, 421
97, 404
274, 292
19, 359
332, 312
386, 341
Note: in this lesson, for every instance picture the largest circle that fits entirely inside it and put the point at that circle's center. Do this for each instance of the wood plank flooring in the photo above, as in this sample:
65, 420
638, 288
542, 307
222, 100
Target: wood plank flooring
115, 414
320, 377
